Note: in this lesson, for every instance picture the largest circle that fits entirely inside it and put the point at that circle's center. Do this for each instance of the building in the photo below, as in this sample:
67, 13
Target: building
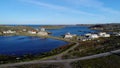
9, 32
93, 36
42, 29
42, 32
69, 36
32, 32
104, 34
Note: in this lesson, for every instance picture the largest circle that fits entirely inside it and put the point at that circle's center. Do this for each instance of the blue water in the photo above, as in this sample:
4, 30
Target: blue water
78, 30
20, 45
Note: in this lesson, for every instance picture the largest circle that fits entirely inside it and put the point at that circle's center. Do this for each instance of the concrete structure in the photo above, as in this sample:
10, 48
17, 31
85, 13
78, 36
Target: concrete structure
9, 32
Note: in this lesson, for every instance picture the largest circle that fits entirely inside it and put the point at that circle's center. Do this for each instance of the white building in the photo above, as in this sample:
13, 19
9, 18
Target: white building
32, 32
107, 35
9, 32
42, 29
104, 34
93, 36
69, 36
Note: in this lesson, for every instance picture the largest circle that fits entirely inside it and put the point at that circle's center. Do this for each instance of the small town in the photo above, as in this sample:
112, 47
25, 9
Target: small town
68, 35
59, 34
79, 45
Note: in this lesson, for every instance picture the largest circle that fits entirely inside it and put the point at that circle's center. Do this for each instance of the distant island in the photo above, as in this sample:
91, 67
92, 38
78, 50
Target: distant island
115, 27
53, 26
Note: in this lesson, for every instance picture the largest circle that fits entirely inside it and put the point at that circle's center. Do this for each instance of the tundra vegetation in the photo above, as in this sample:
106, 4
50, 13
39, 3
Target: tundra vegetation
107, 27
112, 61
95, 46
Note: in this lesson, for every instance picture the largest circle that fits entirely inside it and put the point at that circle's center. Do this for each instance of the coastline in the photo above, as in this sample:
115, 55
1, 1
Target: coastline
45, 55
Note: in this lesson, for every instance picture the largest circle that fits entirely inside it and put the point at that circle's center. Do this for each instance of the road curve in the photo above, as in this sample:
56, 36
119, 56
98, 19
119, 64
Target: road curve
65, 60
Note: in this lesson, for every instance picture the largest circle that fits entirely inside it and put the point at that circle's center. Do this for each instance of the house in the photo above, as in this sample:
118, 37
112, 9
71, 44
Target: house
32, 32
91, 36
69, 36
104, 34
9, 32
42, 32
42, 29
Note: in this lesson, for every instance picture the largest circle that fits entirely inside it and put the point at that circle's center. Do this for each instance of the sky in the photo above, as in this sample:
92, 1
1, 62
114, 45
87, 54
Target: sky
59, 11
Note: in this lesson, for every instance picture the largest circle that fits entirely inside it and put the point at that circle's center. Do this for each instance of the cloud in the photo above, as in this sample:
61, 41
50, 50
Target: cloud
98, 5
59, 8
